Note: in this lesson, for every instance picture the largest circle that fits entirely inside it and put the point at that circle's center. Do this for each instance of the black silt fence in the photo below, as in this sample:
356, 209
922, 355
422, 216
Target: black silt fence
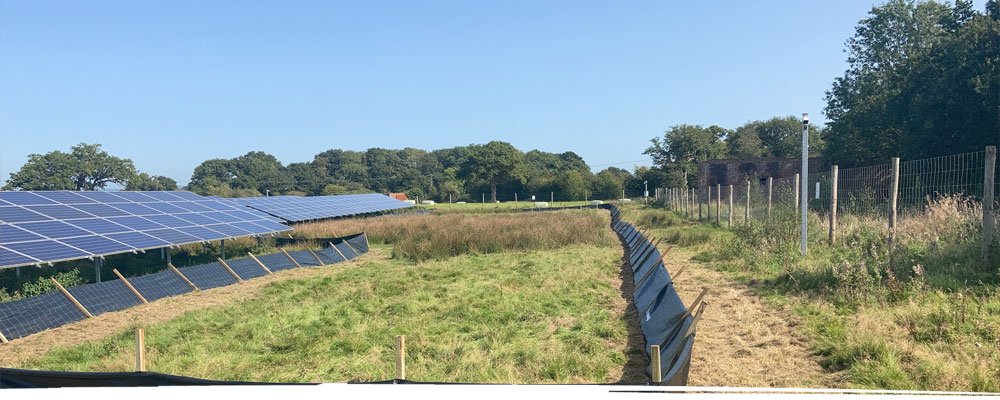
663, 317
23, 317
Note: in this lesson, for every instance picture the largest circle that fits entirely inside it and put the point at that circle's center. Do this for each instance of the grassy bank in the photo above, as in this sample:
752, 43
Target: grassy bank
922, 314
439, 236
551, 316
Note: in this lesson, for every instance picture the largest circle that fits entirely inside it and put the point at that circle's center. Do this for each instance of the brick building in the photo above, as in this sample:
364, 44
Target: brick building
734, 171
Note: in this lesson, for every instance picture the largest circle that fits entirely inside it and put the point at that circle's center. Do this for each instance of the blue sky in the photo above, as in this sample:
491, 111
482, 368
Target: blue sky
170, 84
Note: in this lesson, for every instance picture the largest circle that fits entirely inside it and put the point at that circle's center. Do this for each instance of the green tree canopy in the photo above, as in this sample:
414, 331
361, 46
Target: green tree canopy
495, 163
86, 167
923, 80
144, 181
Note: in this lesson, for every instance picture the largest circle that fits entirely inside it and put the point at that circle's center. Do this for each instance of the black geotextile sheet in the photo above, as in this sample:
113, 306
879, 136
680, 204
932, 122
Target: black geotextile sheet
345, 250
663, 318
159, 285
102, 297
27, 379
246, 268
208, 276
20, 318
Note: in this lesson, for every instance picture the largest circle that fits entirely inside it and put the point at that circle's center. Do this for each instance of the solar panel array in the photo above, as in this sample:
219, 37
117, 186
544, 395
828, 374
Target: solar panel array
298, 209
51, 226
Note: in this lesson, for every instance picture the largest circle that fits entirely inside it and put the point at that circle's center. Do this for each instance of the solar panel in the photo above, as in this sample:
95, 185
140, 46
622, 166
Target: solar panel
297, 209
51, 226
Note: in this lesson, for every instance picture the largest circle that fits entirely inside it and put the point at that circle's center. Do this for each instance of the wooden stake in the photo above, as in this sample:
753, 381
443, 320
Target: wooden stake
140, 350
319, 260
356, 255
71, 298
178, 272
130, 287
718, 204
694, 322
654, 360
290, 258
223, 262
266, 269
3, 339
400, 357
338, 251
679, 272
650, 272
367, 246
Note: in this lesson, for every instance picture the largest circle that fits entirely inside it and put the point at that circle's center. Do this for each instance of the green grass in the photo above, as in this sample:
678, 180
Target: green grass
928, 317
495, 207
518, 317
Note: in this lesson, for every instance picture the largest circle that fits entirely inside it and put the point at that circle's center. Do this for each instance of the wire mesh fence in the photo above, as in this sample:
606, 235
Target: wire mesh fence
863, 191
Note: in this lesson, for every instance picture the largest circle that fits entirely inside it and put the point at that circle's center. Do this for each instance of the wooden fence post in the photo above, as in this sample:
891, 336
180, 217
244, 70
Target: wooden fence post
698, 196
140, 350
130, 287
71, 298
988, 187
654, 360
834, 182
797, 179
400, 357
770, 194
718, 203
893, 196
730, 206
746, 215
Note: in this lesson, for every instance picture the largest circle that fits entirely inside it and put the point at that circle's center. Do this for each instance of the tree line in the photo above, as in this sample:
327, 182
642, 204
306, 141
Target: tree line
923, 80
494, 171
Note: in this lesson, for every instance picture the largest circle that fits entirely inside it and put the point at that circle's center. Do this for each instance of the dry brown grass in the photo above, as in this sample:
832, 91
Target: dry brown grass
425, 237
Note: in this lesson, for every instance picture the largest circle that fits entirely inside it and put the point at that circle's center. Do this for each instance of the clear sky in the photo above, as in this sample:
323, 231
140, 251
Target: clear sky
170, 84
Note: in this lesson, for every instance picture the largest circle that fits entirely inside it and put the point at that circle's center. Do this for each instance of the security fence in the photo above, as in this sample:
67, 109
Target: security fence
23, 317
881, 191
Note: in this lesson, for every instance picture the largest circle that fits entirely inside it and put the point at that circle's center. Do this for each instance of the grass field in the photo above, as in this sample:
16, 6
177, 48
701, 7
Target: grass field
928, 317
512, 316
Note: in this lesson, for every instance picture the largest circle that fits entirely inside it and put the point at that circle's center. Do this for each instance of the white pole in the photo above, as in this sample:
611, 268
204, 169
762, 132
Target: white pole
805, 178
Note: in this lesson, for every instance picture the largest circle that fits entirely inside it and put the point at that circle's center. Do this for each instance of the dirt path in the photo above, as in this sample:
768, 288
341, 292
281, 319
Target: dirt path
34, 346
741, 340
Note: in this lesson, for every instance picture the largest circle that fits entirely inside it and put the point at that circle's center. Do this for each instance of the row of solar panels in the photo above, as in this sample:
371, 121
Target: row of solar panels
298, 209
50, 226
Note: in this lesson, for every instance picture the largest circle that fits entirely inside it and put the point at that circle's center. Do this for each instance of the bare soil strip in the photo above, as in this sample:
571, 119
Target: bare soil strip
34, 346
741, 340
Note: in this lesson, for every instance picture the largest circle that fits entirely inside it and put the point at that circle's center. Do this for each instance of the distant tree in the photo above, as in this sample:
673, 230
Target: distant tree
744, 142
683, 146
144, 181
571, 186
495, 163
608, 185
86, 167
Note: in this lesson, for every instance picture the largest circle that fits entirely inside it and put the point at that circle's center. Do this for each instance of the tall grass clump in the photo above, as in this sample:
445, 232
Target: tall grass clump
426, 237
